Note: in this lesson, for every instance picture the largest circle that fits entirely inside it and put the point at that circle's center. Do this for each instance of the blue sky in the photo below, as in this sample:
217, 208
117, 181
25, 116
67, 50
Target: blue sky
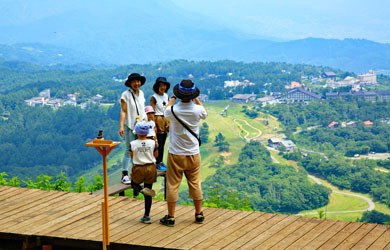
296, 19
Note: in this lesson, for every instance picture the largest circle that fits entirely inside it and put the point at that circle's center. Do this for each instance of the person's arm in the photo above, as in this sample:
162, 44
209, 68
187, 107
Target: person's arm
153, 102
155, 152
122, 117
171, 102
131, 152
197, 102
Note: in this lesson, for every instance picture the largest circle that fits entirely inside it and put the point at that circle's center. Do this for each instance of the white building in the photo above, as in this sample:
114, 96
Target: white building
368, 79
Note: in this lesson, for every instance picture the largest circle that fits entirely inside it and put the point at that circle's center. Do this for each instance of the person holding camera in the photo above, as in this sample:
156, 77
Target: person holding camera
132, 110
183, 150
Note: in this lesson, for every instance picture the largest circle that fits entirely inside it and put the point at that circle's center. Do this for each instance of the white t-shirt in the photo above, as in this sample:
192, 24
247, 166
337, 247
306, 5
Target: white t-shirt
131, 108
181, 141
152, 130
160, 100
143, 151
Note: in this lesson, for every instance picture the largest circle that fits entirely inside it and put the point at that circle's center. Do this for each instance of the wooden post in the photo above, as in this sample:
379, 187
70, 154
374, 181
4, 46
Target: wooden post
104, 147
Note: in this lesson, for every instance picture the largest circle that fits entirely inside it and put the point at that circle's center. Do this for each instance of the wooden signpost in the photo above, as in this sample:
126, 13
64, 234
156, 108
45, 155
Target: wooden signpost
104, 147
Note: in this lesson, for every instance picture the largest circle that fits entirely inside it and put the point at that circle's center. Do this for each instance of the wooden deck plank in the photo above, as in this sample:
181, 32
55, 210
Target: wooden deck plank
297, 234
66, 215
203, 231
81, 221
352, 239
137, 234
124, 219
282, 234
275, 229
42, 214
181, 223
382, 241
187, 226
121, 231
370, 238
211, 233
231, 226
30, 210
93, 223
140, 237
245, 229
312, 234
262, 227
77, 216
10, 192
21, 204
333, 240
81, 218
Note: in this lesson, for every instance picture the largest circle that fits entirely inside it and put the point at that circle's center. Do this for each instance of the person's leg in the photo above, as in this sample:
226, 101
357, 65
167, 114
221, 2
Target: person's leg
161, 138
148, 201
126, 161
198, 206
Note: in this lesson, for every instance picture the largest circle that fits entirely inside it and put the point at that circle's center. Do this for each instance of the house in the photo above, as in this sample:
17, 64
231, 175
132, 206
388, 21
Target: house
54, 103
368, 79
328, 75
243, 98
299, 95
383, 95
368, 123
97, 98
45, 93
70, 102
266, 100
293, 85
279, 144
333, 125
35, 101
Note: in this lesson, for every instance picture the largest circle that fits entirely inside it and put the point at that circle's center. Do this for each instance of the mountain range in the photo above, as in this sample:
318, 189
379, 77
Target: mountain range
122, 32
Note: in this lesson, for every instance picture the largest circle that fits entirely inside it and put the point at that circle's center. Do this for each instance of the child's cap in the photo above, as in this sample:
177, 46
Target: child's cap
141, 128
149, 109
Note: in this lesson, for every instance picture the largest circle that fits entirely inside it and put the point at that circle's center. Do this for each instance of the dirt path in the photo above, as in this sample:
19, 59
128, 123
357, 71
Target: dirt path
247, 133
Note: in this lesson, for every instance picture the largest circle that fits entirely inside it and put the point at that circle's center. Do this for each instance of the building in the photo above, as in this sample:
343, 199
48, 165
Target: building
35, 101
328, 75
368, 123
203, 98
280, 144
294, 85
97, 98
372, 96
333, 125
299, 95
368, 79
45, 93
243, 98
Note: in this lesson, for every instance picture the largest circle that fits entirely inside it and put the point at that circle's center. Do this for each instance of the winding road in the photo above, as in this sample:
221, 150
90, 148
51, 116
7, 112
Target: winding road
247, 133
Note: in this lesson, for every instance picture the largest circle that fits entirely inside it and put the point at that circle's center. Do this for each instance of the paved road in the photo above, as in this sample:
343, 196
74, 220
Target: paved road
371, 205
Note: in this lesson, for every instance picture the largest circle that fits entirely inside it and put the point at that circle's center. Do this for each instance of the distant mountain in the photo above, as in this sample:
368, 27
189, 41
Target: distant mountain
124, 32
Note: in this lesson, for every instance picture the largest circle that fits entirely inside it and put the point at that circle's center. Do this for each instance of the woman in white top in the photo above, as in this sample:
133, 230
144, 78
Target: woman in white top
158, 101
132, 110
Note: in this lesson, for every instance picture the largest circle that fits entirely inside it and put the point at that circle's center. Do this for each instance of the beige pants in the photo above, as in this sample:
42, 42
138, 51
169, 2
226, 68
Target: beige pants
190, 166
162, 124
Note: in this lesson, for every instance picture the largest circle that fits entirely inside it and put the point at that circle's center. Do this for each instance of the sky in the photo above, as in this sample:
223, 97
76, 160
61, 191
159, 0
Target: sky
298, 19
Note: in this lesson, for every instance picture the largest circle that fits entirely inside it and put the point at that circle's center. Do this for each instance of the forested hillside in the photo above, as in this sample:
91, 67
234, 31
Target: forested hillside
269, 187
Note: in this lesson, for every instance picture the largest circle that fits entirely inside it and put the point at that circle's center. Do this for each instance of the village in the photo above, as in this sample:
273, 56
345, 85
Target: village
44, 99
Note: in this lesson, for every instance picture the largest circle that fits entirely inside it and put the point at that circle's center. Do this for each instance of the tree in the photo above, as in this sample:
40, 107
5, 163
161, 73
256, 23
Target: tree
204, 132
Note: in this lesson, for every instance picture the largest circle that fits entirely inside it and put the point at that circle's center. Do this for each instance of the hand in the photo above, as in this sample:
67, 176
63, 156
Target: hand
121, 131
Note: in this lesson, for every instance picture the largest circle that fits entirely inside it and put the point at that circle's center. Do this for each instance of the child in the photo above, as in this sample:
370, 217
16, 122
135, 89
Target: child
143, 152
153, 130
158, 101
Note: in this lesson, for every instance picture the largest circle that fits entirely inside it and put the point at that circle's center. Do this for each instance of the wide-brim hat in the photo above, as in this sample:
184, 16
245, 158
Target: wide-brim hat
157, 84
135, 76
186, 90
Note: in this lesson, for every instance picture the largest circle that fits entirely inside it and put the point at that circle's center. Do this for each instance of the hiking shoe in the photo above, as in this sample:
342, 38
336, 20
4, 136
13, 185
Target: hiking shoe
148, 192
126, 180
146, 220
166, 221
199, 218
161, 167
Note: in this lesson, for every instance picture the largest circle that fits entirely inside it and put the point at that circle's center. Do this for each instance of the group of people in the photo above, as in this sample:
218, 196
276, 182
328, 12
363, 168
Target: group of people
145, 130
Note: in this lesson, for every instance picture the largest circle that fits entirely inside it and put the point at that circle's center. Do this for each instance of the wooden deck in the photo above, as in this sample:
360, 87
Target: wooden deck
75, 219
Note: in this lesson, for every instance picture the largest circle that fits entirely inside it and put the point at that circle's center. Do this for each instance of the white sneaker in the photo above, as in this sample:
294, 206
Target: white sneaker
126, 180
